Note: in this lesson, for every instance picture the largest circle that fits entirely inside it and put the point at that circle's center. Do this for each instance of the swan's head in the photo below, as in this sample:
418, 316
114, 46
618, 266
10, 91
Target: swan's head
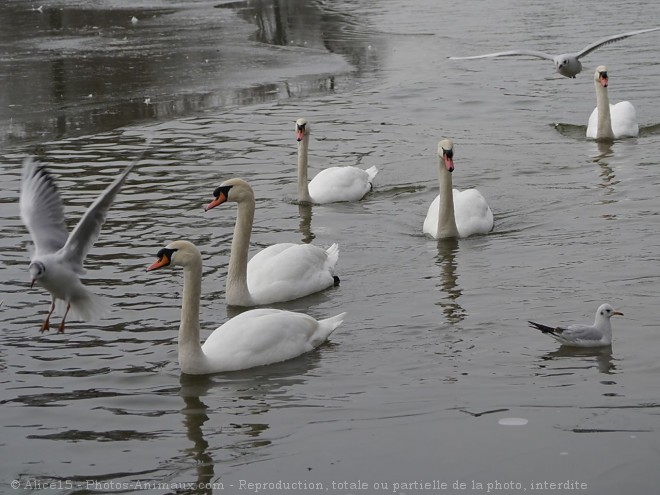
607, 311
600, 76
177, 253
37, 270
446, 153
302, 129
233, 190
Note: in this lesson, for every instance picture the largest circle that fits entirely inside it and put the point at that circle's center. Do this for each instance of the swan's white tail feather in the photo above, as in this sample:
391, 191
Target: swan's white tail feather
333, 254
326, 327
372, 171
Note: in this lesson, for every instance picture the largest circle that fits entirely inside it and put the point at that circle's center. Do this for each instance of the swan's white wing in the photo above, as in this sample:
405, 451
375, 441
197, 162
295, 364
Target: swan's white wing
624, 120
623, 117
41, 208
611, 39
87, 231
286, 271
472, 213
258, 337
592, 126
431, 221
510, 53
336, 184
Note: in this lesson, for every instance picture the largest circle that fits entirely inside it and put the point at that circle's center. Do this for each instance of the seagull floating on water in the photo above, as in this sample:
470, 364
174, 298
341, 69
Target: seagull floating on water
57, 261
597, 335
567, 64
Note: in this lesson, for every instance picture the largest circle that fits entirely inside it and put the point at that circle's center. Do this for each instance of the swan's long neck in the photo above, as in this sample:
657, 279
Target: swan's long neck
236, 290
446, 219
191, 356
604, 130
303, 190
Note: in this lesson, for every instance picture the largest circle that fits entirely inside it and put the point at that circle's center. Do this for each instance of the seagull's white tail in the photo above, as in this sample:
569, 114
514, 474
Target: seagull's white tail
89, 307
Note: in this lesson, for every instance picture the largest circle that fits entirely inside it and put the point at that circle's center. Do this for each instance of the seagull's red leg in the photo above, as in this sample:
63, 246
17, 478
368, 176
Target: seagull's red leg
61, 328
45, 326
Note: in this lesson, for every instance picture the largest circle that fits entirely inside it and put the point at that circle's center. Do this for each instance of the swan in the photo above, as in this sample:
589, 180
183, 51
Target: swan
455, 213
610, 121
331, 185
566, 64
281, 272
253, 338
577, 335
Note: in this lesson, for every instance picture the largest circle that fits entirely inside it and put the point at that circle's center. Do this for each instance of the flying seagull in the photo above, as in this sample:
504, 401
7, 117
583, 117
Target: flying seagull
57, 261
597, 335
567, 64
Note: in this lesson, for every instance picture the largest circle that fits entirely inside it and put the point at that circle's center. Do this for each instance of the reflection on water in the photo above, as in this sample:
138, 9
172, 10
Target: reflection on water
92, 70
569, 359
446, 260
242, 401
305, 212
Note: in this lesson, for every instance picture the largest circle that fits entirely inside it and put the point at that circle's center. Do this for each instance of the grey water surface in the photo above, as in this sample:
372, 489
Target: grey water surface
434, 380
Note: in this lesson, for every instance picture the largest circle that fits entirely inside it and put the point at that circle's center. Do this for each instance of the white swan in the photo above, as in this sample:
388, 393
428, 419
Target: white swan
566, 64
610, 121
280, 272
253, 338
455, 213
331, 185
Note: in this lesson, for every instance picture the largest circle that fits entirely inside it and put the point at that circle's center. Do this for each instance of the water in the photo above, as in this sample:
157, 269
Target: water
434, 377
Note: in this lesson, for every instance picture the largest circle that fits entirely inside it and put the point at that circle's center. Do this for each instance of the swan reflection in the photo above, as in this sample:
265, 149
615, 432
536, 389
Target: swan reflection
446, 260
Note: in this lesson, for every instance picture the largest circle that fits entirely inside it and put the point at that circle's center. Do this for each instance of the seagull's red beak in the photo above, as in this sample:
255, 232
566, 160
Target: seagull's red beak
216, 202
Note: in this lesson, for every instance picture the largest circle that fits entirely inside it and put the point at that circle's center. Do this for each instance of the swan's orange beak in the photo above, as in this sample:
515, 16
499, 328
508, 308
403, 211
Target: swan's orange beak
300, 134
222, 197
449, 163
164, 260
603, 80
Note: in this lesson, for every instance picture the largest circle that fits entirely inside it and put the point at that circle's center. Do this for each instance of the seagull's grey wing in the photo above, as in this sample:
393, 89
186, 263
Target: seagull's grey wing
510, 53
41, 208
611, 39
88, 229
580, 333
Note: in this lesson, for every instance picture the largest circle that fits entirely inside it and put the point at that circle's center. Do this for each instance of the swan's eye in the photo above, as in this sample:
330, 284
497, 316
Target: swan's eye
165, 253
221, 190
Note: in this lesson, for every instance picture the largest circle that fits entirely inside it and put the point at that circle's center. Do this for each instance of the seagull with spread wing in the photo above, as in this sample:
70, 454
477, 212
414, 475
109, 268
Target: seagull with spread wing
57, 261
567, 64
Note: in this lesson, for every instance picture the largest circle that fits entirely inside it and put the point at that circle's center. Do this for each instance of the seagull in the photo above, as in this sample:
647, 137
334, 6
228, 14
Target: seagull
57, 261
597, 335
567, 64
